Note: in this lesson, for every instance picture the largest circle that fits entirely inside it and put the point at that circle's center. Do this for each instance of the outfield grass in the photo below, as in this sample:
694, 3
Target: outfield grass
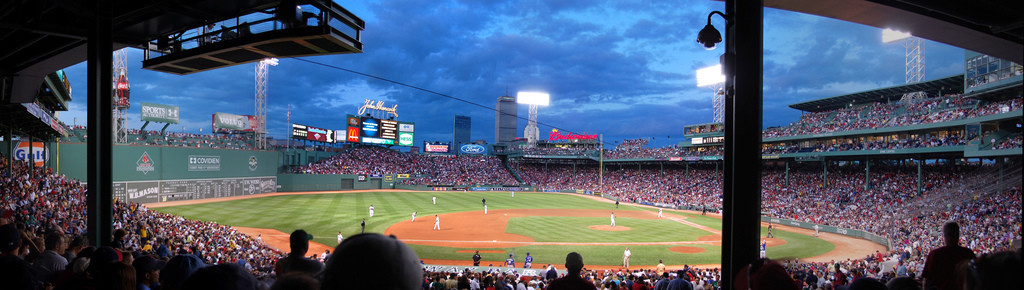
324, 215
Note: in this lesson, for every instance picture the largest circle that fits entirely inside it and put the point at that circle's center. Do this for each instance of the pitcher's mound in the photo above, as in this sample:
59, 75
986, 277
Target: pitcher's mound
609, 228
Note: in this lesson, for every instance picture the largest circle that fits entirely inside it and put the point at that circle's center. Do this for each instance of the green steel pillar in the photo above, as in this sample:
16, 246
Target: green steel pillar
867, 173
824, 167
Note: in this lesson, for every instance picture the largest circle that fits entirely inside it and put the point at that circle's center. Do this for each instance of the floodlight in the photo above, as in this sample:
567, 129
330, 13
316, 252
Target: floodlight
270, 60
890, 35
711, 75
533, 98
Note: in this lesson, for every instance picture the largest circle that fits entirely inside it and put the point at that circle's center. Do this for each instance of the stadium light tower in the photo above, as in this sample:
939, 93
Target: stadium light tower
712, 77
261, 101
534, 99
914, 59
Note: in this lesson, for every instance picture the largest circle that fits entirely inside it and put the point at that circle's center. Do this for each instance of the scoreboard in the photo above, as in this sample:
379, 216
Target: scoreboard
367, 130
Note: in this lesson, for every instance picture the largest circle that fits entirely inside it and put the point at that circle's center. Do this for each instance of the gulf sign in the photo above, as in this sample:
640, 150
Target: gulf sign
39, 153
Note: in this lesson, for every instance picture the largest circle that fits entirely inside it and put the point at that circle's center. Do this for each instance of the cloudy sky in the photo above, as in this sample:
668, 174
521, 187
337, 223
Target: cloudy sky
621, 68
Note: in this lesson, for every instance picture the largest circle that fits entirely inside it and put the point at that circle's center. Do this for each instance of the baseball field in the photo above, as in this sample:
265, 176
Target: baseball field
546, 225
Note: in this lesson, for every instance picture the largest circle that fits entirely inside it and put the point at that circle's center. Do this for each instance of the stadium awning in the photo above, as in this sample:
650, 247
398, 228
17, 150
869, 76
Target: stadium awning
948, 85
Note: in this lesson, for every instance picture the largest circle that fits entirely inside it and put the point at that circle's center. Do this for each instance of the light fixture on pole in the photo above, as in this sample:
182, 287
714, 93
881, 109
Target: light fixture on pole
534, 99
709, 37
712, 77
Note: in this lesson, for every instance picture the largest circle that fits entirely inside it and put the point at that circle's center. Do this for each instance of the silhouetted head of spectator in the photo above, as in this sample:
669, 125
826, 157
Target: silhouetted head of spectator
147, 270
299, 242
116, 276
903, 283
295, 281
865, 283
765, 274
10, 239
951, 233
54, 241
574, 263
999, 270
178, 269
15, 273
101, 258
372, 261
229, 276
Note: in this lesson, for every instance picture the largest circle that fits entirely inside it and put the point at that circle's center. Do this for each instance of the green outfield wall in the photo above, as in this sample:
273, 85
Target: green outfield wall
158, 173
830, 229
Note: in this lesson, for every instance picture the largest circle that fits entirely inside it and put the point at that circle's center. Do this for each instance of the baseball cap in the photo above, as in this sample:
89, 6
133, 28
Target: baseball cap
178, 268
9, 237
146, 263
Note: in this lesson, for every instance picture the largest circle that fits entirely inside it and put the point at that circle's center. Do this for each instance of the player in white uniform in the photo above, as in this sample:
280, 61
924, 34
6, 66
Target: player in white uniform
485, 209
413, 217
660, 214
613, 219
339, 237
435, 200
816, 228
437, 223
625, 258
371, 210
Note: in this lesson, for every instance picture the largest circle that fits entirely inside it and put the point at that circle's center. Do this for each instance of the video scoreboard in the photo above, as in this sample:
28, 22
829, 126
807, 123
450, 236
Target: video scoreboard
367, 130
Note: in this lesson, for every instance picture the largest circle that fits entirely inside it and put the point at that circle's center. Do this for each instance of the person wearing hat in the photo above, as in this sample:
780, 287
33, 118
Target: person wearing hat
296, 260
572, 280
372, 261
147, 272
528, 261
177, 269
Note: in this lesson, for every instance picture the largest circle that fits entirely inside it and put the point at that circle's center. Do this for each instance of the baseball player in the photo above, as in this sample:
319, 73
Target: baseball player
528, 261
362, 226
413, 217
371, 210
485, 209
513, 194
816, 229
613, 219
625, 258
770, 235
763, 246
476, 259
510, 262
437, 223
339, 237
660, 214
435, 200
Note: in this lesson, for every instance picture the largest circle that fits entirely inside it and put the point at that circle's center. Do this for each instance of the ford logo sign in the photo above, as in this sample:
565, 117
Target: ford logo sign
472, 149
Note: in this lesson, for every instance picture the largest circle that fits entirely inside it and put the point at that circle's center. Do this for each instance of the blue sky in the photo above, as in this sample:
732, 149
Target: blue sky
624, 69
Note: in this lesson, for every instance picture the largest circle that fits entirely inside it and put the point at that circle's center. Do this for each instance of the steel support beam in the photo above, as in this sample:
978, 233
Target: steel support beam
99, 197
742, 65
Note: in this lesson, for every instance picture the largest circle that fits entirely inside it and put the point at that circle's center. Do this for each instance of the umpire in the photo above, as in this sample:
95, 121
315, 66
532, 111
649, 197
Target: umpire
476, 259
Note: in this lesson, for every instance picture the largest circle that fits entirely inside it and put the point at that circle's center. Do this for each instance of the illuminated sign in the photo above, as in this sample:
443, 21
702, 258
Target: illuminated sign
353, 134
472, 149
389, 129
39, 153
437, 148
379, 106
318, 134
370, 127
353, 121
298, 131
555, 136
707, 140
405, 139
372, 140
406, 127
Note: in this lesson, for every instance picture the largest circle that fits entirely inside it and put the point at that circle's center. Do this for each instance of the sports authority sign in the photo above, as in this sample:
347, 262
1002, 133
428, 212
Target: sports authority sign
555, 136
160, 113
203, 163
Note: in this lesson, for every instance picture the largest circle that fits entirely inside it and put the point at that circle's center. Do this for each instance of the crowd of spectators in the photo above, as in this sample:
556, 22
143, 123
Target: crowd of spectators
423, 168
903, 143
49, 211
893, 114
1007, 143
174, 139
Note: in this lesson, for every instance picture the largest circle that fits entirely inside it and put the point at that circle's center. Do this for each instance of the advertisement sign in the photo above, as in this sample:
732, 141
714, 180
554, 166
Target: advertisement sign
353, 134
472, 149
122, 89
675, 159
203, 163
403, 175
692, 158
362, 177
405, 139
319, 134
389, 178
555, 136
353, 121
371, 128
234, 122
709, 158
160, 113
39, 153
144, 164
406, 127
436, 148
372, 140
